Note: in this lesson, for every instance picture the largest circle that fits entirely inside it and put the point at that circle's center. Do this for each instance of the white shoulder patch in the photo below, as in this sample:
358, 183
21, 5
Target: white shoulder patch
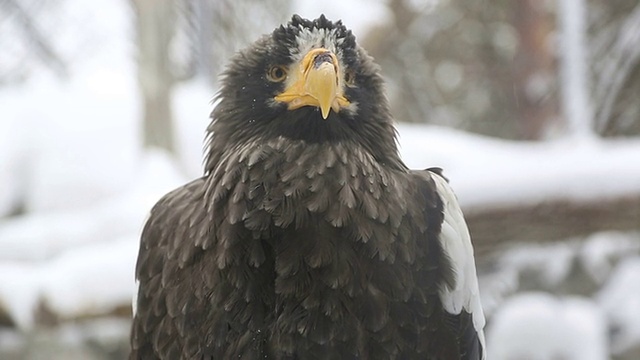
456, 242
134, 299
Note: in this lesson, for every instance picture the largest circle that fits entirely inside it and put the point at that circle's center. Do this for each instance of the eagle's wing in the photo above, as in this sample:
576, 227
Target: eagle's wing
166, 279
460, 299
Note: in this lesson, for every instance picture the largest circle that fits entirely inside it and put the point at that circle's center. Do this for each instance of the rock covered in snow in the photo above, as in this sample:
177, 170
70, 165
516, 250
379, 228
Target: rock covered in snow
80, 263
620, 299
539, 326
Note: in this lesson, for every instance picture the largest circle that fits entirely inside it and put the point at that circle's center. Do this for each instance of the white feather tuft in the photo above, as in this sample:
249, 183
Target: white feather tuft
309, 39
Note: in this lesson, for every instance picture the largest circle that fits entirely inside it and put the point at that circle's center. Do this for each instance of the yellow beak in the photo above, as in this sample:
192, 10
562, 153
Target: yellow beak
315, 81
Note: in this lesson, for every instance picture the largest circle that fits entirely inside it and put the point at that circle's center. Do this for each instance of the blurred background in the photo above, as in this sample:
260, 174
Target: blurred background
532, 107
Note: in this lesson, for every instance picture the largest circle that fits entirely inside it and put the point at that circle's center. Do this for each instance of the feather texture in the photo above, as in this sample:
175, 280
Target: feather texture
308, 285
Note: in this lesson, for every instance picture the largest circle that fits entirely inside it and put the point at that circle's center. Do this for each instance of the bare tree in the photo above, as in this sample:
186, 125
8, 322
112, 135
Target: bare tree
155, 24
226, 26
38, 42
180, 39
615, 52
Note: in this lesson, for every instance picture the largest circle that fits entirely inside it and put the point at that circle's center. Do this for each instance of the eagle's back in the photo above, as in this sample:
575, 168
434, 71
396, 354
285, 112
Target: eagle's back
295, 250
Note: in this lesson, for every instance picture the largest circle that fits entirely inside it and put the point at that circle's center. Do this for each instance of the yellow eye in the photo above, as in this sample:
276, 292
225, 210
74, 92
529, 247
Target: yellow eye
277, 73
350, 78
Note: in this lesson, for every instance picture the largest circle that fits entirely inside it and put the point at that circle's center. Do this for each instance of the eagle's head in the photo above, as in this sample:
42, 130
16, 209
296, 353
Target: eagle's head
308, 80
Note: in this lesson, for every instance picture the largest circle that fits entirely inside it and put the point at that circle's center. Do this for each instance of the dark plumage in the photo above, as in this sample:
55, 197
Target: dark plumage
307, 238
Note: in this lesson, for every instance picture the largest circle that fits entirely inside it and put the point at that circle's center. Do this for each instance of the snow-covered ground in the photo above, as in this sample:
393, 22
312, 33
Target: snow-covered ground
71, 158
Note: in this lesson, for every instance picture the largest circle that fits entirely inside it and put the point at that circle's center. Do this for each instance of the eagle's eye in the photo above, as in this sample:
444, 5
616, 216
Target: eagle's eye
350, 78
277, 73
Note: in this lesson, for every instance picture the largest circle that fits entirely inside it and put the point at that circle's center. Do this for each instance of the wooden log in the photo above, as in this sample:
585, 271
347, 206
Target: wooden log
494, 229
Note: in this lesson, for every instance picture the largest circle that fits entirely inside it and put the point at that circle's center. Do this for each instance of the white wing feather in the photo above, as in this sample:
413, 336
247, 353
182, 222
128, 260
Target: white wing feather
456, 242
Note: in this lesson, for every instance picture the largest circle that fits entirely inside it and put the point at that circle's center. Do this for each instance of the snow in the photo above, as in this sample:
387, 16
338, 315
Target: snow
77, 281
39, 236
552, 262
14, 152
539, 326
19, 291
553, 265
620, 299
78, 171
80, 262
548, 264
72, 160
602, 250
492, 173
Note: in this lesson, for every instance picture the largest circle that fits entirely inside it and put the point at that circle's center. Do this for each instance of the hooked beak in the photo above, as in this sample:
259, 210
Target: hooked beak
315, 81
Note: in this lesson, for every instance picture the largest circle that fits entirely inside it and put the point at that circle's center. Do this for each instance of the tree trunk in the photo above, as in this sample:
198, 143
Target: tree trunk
155, 22
574, 72
534, 69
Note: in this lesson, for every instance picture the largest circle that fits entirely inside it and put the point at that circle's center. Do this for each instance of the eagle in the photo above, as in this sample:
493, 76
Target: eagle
307, 237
